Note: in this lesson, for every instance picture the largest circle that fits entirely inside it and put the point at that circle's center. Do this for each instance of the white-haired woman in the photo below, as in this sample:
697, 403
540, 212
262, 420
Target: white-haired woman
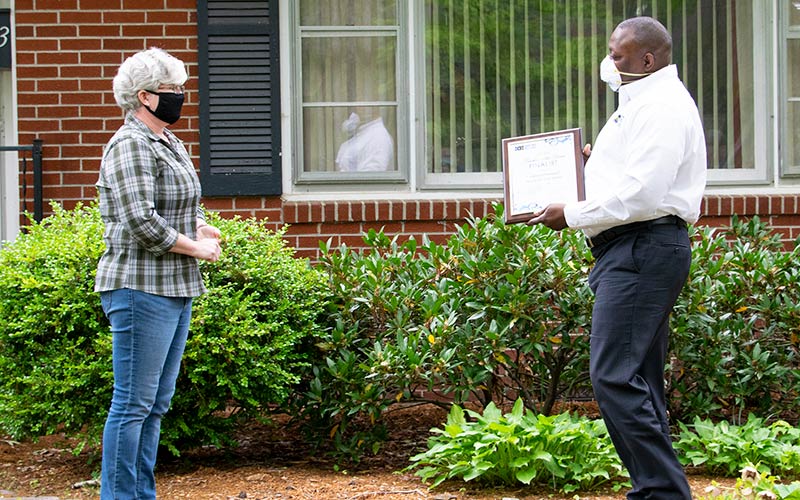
154, 233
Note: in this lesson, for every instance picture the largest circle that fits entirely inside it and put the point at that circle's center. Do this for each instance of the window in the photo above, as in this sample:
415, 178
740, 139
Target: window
501, 69
791, 88
348, 83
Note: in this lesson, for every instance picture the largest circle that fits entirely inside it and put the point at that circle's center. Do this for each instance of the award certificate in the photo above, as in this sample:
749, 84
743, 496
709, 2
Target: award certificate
541, 169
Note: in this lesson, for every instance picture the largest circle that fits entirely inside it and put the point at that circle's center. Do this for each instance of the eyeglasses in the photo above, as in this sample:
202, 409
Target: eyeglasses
178, 89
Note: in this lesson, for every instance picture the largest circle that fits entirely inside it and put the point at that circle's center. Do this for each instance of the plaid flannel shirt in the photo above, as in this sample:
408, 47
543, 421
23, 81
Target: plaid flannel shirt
149, 194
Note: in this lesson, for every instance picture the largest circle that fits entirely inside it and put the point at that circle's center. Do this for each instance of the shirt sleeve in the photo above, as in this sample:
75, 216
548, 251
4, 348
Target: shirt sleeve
655, 137
131, 171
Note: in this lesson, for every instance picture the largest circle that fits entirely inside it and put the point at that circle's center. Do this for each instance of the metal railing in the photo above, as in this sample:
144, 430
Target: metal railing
36, 156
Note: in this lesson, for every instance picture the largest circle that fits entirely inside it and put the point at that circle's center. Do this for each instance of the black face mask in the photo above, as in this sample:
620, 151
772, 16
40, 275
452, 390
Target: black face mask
169, 106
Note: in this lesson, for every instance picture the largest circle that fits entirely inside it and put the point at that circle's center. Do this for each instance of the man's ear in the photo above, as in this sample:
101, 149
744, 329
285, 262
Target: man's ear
649, 62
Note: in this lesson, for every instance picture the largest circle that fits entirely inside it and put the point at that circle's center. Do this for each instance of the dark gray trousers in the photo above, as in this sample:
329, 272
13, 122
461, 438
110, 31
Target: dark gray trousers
636, 279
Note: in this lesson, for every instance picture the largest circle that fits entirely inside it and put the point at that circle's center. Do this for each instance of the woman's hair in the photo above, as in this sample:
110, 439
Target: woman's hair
146, 70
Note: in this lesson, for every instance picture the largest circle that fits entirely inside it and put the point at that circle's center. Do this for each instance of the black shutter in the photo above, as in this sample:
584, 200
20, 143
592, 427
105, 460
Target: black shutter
239, 97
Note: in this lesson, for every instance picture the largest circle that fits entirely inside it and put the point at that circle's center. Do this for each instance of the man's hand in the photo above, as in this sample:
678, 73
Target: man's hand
552, 216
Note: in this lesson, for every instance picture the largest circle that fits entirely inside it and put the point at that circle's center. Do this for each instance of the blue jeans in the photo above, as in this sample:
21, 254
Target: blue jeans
149, 336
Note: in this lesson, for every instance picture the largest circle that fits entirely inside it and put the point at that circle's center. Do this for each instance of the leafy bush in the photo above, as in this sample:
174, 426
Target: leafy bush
725, 449
245, 351
753, 485
55, 366
736, 326
249, 337
496, 314
568, 453
503, 311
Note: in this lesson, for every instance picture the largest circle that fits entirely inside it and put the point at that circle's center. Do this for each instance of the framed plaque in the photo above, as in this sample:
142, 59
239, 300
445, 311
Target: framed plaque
541, 169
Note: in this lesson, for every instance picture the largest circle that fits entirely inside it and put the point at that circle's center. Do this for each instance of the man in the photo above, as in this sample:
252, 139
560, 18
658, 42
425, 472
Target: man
644, 181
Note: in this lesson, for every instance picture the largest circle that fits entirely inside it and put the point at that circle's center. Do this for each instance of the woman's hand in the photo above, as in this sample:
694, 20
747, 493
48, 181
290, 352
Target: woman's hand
205, 231
207, 249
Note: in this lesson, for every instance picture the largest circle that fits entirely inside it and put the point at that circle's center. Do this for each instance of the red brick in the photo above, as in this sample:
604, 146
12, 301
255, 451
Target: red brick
36, 45
126, 45
182, 4
79, 178
384, 209
83, 19
33, 17
143, 30
217, 204
749, 205
419, 227
244, 202
123, 17
73, 151
101, 4
56, 31
328, 211
99, 30
313, 241
388, 228
351, 241
786, 220
56, 85
62, 192
56, 5
726, 204
39, 125
270, 215
36, 99
81, 44
161, 16
302, 229
273, 202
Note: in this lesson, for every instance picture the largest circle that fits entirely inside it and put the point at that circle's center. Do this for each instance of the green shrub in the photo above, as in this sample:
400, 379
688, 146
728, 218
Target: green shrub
498, 313
565, 452
55, 365
245, 351
735, 327
248, 341
504, 311
725, 449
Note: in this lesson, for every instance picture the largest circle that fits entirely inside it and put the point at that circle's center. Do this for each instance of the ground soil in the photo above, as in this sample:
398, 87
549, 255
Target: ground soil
270, 463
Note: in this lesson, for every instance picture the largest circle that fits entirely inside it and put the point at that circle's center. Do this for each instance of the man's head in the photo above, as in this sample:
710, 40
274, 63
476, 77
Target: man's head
640, 45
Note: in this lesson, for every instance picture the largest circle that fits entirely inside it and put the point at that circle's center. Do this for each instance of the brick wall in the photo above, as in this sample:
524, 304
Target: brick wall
66, 58
344, 221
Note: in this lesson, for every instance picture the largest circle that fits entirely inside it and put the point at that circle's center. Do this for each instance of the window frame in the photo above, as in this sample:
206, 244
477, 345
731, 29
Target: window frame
764, 141
344, 181
787, 33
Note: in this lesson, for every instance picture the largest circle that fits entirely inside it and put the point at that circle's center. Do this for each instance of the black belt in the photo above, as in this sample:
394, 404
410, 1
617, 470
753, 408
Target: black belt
614, 232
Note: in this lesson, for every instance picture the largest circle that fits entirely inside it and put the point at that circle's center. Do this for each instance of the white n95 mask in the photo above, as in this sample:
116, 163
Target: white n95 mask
612, 76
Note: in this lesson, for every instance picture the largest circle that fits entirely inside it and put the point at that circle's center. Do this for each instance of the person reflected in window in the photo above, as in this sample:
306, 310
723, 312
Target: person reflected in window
155, 232
645, 179
370, 147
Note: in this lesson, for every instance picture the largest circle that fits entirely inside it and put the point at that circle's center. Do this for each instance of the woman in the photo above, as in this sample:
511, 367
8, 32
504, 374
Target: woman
154, 233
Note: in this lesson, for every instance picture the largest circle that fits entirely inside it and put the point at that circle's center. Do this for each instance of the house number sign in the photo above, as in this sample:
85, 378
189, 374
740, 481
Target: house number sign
5, 38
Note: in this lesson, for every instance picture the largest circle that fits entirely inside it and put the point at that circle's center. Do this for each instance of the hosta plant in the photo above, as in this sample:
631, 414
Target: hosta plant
566, 452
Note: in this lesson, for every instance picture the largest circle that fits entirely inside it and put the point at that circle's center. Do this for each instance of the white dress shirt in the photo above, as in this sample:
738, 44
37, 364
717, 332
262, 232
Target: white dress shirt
649, 160
371, 149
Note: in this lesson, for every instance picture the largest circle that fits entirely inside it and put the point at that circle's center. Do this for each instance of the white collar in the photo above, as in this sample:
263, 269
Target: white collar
631, 90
